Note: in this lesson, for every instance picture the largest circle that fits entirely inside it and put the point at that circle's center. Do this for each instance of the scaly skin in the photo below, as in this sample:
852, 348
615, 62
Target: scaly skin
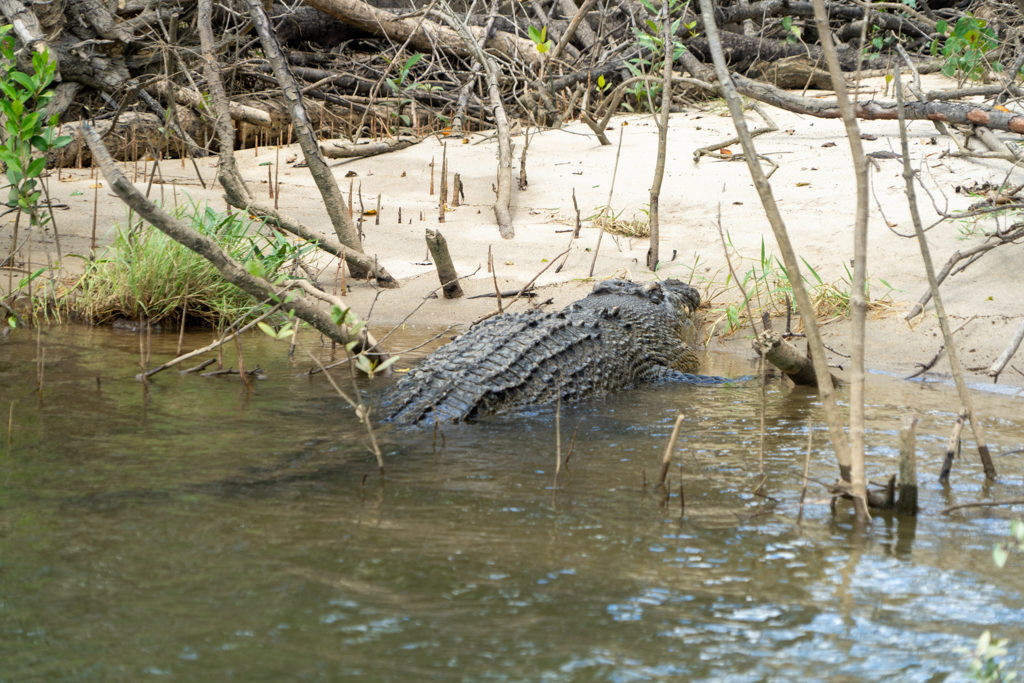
621, 334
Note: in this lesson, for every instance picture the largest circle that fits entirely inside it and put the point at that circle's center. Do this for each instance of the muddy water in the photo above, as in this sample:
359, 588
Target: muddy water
196, 531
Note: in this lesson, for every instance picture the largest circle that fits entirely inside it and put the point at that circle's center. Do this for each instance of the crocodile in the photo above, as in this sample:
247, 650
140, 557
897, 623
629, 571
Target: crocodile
621, 334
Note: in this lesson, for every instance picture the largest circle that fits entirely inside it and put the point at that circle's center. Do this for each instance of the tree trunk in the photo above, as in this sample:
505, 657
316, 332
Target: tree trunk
322, 176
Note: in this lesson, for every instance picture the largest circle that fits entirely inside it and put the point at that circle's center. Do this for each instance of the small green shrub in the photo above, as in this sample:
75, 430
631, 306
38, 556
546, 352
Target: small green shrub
964, 48
29, 136
147, 275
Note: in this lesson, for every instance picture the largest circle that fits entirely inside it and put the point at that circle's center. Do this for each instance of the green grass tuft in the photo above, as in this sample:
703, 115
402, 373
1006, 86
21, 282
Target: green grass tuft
146, 275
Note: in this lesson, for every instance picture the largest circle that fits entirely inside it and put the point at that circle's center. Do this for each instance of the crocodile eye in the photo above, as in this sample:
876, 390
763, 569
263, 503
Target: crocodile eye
653, 291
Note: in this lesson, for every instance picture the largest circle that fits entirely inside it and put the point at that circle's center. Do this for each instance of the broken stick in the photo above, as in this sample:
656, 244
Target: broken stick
445, 269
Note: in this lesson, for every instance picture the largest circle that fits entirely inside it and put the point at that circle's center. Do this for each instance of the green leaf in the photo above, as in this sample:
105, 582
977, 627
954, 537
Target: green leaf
941, 26
534, 34
1017, 530
338, 315
36, 166
413, 60
29, 278
267, 330
363, 363
999, 555
255, 268
24, 80
387, 363
601, 82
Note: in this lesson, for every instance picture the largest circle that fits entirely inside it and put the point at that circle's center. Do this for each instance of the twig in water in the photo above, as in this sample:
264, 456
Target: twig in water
362, 412
209, 347
10, 427
983, 504
907, 503
241, 364
572, 446
952, 447
558, 438
195, 368
666, 458
807, 467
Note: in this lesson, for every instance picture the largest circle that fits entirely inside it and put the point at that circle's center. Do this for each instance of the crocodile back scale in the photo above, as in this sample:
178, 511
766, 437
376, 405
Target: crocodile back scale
621, 334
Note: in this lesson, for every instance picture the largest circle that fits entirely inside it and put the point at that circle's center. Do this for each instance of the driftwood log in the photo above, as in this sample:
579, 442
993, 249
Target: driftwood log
784, 355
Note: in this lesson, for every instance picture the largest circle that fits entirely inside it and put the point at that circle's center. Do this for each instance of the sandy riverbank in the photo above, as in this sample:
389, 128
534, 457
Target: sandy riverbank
813, 185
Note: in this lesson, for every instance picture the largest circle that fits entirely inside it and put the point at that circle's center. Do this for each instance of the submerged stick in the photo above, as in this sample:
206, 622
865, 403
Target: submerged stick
807, 469
558, 439
666, 458
952, 447
208, 347
907, 503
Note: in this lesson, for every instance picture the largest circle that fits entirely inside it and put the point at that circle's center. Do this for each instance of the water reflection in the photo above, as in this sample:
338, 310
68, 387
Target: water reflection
205, 532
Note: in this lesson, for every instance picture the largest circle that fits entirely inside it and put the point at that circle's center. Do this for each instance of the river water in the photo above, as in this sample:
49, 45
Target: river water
194, 530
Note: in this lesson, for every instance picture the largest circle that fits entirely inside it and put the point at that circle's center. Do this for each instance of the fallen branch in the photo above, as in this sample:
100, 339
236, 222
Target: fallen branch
191, 98
982, 504
970, 255
322, 176
788, 358
1000, 363
427, 36
231, 179
209, 347
342, 150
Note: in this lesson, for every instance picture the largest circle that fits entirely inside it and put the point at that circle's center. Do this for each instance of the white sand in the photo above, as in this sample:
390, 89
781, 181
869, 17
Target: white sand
814, 187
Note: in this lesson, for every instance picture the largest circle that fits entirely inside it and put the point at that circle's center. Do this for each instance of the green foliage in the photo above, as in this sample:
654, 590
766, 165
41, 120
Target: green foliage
1001, 552
146, 274
769, 289
401, 82
402, 85
650, 39
986, 663
540, 38
29, 135
964, 47
793, 33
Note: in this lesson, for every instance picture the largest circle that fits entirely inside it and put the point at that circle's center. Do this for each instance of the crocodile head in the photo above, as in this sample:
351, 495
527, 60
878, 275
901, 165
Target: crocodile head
675, 306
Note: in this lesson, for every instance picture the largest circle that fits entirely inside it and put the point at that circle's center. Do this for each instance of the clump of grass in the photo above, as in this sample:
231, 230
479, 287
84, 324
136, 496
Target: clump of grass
769, 289
146, 275
638, 226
